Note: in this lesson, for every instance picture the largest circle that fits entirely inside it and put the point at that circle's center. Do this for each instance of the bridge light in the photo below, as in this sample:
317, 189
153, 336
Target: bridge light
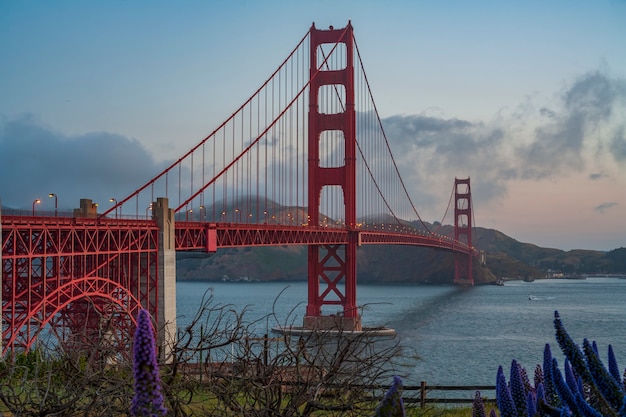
114, 201
56, 202
37, 201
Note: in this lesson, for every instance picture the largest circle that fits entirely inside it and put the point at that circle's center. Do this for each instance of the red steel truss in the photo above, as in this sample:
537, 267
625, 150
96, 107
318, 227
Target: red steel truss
194, 236
71, 275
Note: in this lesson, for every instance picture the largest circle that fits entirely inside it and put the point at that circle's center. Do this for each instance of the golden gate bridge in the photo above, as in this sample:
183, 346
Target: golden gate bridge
304, 161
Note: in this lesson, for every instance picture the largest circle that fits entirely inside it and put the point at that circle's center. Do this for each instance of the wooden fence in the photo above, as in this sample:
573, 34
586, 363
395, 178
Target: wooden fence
412, 394
431, 394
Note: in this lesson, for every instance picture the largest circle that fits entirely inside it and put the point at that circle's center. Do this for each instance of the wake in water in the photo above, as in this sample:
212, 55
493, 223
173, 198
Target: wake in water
537, 298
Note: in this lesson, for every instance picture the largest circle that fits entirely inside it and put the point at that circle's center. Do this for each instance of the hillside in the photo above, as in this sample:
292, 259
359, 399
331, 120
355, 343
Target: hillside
506, 258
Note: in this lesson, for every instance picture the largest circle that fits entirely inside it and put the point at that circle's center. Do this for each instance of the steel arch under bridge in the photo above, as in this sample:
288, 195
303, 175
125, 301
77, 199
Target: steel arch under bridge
76, 276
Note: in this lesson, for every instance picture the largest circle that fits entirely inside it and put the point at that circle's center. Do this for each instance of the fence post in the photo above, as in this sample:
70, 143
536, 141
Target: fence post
423, 394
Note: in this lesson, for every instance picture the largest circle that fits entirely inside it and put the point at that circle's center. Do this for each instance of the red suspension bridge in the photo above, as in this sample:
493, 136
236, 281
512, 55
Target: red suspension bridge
304, 161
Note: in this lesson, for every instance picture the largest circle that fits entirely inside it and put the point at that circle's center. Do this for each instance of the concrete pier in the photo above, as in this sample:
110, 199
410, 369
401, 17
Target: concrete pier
166, 325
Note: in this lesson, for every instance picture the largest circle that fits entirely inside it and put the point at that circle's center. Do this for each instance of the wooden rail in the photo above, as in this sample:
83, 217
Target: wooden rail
412, 394
423, 390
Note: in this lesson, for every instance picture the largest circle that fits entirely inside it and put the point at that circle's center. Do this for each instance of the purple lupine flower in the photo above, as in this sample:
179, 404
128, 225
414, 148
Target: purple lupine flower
504, 400
525, 379
595, 347
518, 390
492, 413
573, 400
581, 387
571, 351
541, 394
613, 368
538, 377
622, 410
148, 399
392, 404
531, 404
607, 385
586, 409
551, 397
478, 406
570, 379
566, 395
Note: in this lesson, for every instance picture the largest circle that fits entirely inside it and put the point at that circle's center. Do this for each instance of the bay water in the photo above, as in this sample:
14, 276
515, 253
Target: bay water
460, 334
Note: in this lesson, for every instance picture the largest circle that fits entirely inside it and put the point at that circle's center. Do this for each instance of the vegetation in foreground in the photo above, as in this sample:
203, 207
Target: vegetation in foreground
217, 368
585, 388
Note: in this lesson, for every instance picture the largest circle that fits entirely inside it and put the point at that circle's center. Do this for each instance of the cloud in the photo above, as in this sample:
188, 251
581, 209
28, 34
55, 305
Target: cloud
586, 121
595, 176
430, 152
35, 161
618, 145
605, 206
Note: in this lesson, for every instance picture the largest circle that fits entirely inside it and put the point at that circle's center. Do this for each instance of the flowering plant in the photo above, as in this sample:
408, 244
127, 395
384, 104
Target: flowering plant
585, 388
392, 404
148, 400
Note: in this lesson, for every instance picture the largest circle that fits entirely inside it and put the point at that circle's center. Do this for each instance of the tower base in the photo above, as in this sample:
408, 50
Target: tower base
333, 323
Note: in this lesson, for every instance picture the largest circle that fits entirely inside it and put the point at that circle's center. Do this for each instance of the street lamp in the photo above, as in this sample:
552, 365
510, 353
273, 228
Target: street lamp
203, 218
37, 201
148, 208
56, 203
114, 201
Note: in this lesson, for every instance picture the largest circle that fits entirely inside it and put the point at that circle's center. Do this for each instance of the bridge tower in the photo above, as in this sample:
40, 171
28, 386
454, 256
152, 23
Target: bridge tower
331, 267
463, 272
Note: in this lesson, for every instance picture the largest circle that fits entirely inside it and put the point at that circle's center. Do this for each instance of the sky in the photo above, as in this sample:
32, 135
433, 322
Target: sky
526, 98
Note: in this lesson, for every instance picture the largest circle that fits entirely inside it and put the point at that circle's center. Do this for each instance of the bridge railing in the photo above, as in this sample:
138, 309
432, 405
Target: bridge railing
49, 214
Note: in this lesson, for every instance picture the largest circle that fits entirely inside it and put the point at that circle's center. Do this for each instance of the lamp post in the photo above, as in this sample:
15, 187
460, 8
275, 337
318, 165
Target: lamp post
202, 217
148, 208
114, 201
37, 201
56, 203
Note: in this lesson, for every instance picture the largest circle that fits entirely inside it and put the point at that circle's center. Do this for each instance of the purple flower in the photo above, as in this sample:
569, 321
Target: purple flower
564, 391
503, 396
538, 377
392, 404
550, 397
613, 368
571, 351
517, 388
541, 395
607, 385
478, 406
570, 378
148, 400
531, 404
